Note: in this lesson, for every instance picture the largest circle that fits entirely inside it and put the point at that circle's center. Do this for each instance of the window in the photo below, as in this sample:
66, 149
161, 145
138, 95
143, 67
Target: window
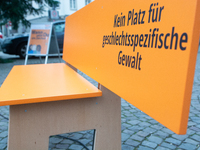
72, 4
60, 27
87, 2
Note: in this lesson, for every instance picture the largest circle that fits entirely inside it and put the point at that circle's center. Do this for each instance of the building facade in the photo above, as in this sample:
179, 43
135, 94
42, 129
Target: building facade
65, 8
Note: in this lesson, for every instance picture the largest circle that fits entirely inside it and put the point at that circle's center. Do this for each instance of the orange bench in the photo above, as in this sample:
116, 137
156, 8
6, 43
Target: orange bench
156, 78
50, 99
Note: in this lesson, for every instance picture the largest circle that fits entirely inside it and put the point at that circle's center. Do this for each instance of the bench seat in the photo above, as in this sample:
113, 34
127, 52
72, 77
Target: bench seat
44, 83
51, 99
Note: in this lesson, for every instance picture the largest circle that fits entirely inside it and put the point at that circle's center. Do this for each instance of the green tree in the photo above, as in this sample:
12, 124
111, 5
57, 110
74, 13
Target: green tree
17, 10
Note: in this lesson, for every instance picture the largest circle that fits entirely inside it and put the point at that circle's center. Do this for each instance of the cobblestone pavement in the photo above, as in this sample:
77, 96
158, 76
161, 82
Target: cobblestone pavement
139, 131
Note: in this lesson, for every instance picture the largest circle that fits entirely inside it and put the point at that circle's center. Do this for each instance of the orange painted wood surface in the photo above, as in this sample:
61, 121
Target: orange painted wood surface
148, 62
43, 83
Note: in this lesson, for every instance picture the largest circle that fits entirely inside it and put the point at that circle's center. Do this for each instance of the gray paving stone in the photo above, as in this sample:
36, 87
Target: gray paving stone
161, 134
62, 146
191, 141
174, 141
197, 121
194, 111
89, 147
3, 123
84, 141
84, 132
125, 136
3, 146
149, 144
139, 113
123, 127
66, 141
132, 142
198, 133
88, 136
143, 134
143, 120
4, 120
149, 130
131, 118
179, 137
167, 145
144, 148
4, 140
148, 117
130, 132
123, 116
162, 148
155, 139
127, 147
167, 131
194, 97
4, 134
128, 114
190, 132
55, 140
133, 110
127, 125
191, 123
196, 137
135, 128
76, 147
144, 124
124, 104
4, 128
76, 136
198, 126
51, 145
191, 114
157, 127
187, 146
154, 122
137, 138
126, 109
123, 120
134, 122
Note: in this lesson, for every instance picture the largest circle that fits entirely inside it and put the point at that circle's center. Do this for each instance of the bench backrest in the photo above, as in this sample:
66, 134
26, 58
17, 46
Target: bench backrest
143, 51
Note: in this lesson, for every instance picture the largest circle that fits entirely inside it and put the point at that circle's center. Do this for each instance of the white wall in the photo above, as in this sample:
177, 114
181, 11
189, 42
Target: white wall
63, 9
29, 17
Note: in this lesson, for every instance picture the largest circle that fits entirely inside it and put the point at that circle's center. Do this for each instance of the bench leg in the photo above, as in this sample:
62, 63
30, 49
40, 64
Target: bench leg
31, 125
